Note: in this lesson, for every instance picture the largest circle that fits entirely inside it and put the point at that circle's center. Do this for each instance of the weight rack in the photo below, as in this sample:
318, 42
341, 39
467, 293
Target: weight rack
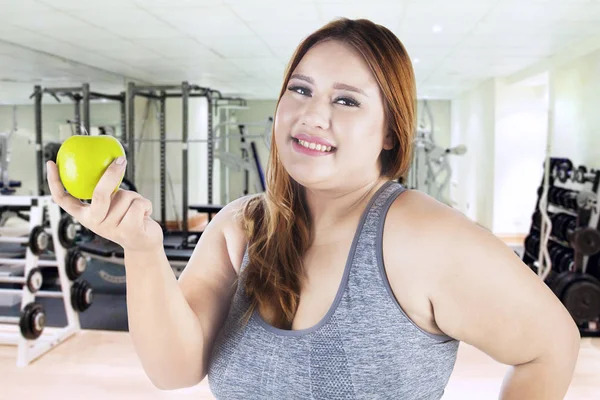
573, 247
28, 332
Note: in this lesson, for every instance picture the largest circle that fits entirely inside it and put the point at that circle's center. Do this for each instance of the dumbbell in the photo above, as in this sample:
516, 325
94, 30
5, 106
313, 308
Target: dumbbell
31, 322
81, 295
38, 239
75, 263
33, 280
561, 257
581, 175
563, 171
563, 197
563, 225
532, 244
536, 219
67, 231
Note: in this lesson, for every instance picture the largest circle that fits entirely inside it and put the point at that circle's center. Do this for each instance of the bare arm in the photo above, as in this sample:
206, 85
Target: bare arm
483, 294
174, 323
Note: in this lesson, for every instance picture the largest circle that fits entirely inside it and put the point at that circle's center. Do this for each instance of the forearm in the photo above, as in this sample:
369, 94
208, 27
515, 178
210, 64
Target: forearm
546, 378
165, 331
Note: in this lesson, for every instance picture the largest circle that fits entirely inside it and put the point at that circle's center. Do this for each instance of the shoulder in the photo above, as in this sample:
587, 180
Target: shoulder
416, 215
231, 222
421, 231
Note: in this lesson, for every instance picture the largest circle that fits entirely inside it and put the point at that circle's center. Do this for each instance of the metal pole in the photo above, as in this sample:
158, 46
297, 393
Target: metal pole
210, 149
131, 131
86, 108
39, 155
123, 119
78, 115
184, 150
163, 160
245, 157
159, 87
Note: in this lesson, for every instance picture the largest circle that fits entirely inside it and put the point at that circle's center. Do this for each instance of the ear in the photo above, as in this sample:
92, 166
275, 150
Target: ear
388, 142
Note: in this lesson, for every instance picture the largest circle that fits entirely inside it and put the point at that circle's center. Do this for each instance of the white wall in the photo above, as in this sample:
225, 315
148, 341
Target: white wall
473, 124
577, 118
519, 152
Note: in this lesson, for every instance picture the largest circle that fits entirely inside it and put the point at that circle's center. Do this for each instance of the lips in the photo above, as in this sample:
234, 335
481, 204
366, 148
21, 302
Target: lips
313, 139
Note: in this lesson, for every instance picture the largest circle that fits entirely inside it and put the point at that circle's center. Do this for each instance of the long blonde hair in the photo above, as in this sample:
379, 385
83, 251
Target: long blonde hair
277, 222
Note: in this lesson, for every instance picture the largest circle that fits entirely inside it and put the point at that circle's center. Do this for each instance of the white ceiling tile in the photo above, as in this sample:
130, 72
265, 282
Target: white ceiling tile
205, 21
284, 53
285, 40
256, 12
511, 11
253, 65
387, 14
180, 47
44, 21
241, 47
279, 27
408, 27
11, 8
159, 4
446, 11
424, 40
68, 5
131, 23
85, 38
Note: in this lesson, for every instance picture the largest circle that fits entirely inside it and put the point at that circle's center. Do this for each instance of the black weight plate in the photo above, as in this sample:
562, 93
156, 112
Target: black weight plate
586, 241
563, 172
38, 240
582, 299
580, 174
66, 231
29, 314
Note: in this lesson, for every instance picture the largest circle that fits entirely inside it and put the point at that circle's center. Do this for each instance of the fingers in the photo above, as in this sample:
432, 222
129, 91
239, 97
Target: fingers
139, 209
120, 203
105, 188
64, 200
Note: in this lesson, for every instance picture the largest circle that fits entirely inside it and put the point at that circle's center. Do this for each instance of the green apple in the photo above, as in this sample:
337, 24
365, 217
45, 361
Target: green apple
82, 160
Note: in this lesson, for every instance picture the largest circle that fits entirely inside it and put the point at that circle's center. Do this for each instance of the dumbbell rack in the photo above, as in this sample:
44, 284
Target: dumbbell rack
11, 330
574, 212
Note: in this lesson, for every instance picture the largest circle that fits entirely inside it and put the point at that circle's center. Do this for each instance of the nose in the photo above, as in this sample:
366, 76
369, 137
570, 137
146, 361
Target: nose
316, 114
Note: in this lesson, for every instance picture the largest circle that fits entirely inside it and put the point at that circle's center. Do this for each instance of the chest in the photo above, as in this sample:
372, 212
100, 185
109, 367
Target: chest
325, 267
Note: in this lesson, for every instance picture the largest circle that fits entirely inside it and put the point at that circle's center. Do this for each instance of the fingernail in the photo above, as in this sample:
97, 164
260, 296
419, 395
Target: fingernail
120, 160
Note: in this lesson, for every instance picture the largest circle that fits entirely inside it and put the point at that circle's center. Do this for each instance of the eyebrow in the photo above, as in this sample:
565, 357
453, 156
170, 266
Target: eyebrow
336, 85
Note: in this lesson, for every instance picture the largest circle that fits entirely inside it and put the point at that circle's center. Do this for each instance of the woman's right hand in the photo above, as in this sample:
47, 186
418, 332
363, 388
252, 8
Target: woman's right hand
122, 217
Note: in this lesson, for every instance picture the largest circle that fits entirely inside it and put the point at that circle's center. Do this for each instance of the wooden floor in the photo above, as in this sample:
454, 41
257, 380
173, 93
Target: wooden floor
103, 365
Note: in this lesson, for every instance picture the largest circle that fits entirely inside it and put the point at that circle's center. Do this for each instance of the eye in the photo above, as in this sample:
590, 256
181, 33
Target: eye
300, 90
347, 101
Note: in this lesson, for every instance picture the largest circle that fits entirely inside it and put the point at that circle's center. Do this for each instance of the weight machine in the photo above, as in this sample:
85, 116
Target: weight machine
563, 245
81, 97
179, 244
43, 244
217, 135
7, 186
430, 170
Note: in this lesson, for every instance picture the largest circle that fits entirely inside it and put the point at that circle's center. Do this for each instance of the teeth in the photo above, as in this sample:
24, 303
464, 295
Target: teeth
314, 146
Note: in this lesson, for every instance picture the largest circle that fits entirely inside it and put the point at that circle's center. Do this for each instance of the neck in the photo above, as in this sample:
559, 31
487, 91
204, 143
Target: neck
329, 207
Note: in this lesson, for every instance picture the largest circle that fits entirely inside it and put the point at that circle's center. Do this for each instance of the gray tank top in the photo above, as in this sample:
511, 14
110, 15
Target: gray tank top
365, 347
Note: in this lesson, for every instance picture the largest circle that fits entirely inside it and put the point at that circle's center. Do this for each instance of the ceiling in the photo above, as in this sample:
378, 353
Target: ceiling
241, 47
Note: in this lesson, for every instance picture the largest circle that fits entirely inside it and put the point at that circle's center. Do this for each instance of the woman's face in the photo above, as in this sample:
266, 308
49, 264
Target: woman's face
333, 106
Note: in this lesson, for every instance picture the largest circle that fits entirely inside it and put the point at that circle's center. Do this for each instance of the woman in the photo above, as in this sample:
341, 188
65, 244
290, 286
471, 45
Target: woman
337, 283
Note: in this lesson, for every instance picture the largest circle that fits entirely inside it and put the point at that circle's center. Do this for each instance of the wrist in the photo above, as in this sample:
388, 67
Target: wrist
145, 256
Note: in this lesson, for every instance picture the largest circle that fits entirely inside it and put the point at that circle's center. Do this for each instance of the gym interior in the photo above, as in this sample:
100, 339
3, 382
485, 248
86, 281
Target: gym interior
506, 133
